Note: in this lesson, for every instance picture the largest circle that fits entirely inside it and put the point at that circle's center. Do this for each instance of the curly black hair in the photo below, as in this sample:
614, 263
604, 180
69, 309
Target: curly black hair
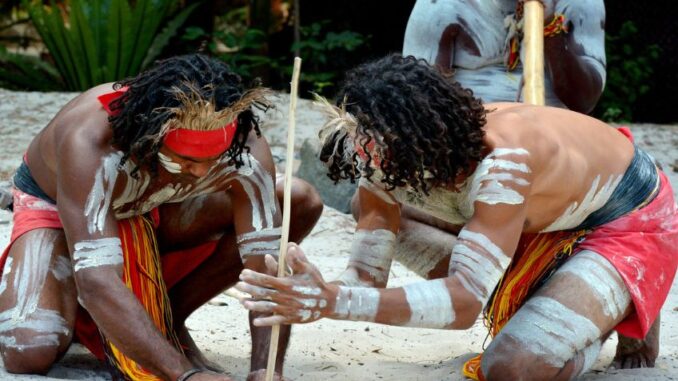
140, 113
426, 126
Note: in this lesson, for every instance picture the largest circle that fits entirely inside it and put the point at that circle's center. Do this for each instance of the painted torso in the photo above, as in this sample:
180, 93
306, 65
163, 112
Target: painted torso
484, 25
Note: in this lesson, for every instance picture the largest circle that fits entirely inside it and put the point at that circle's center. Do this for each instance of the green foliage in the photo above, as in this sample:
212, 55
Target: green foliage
19, 72
246, 51
93, 42
629, 72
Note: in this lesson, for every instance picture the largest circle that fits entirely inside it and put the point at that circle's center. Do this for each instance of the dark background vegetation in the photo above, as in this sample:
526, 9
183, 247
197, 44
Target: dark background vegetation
258, 38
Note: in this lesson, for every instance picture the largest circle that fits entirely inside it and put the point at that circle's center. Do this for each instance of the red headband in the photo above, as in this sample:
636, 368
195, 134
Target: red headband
201, 144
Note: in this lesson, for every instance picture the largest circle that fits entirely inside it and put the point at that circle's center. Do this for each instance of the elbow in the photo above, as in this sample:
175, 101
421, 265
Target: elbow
91, 286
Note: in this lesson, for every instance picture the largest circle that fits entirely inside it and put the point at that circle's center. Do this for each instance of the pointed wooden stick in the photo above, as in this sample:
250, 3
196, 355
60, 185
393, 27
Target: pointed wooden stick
287, 199
533, 67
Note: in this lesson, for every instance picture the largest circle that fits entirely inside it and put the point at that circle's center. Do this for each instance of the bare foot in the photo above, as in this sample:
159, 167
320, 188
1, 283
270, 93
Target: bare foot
636, 353
260, 375
194, 354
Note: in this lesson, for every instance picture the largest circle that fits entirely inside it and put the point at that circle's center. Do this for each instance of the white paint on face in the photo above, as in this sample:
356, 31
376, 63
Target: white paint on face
419, 252
550, 330
62, 269
5, 274
601, 278
99, 198
357, 303
495, 179
478, 264
372, 252
170, 165
430, 304
259, 243
594, 199
378, 191
98, 252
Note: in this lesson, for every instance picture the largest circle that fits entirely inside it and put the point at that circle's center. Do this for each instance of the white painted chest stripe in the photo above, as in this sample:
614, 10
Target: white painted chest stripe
99, 252
430, 304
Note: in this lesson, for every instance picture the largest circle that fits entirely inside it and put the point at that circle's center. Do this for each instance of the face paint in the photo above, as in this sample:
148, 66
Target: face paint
477, 263
430, 304
5, 274
493, 183
167, 163
602, 279
99, 198
357, 303
576, 213
378, 191
372, 252
99, 252
550, 330
62, 268
259, 243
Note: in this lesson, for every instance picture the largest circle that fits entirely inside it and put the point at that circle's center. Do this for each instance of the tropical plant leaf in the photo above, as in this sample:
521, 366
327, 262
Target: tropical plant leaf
170, 29
23, 72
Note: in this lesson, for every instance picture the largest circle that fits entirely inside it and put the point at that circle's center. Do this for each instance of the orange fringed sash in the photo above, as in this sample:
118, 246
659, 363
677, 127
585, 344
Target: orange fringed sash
143, 275
537, 257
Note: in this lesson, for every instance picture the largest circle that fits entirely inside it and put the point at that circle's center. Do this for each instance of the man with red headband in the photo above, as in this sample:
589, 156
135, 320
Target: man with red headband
138, 203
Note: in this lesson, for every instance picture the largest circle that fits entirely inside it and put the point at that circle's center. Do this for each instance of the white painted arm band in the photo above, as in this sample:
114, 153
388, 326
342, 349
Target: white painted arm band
372, 252
98, 252
259, 243
478, 264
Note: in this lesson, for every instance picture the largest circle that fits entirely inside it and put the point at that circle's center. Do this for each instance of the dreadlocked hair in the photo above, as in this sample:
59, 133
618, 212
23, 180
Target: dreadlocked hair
182, 91
423, 127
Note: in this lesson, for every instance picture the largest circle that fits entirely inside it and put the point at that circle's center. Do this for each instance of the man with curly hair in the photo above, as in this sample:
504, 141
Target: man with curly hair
561, 240
138, 203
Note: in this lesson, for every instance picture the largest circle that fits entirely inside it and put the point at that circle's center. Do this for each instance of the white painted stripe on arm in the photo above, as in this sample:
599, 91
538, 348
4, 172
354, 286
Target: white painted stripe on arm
98, 252
430, 304
357, 303
372, 251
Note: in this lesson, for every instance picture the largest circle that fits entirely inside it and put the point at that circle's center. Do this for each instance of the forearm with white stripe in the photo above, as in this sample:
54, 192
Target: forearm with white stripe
372, 253
259, 243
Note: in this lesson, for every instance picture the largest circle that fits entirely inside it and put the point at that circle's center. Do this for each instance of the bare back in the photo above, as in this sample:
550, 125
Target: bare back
568, 151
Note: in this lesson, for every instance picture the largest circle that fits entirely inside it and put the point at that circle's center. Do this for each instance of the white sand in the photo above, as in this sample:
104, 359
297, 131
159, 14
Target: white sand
327, 349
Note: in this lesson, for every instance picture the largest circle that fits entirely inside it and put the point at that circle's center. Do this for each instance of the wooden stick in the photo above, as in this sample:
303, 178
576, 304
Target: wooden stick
287, 199
533, 67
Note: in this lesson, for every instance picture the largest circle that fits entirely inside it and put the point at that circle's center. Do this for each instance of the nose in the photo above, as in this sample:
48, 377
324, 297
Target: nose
198, 169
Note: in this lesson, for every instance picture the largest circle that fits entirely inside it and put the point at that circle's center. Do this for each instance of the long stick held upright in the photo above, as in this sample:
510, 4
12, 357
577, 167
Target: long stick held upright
287, 199
533, 67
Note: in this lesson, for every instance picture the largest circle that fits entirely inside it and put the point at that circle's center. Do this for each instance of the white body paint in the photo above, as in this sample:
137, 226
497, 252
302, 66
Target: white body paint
308, 291
62, 268
99, 198
28, 284
594, 199
602, 279
420, 253
590, 354
371, 252
259, 242
430, 304
357, 303
170, 165
478, 264
550, 330
5, 274
485, 24
95, 253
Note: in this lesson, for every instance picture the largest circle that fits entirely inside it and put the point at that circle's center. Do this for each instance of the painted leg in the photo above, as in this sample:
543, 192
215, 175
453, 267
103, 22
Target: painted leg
37, 302
424, 242
557, 334
636, 353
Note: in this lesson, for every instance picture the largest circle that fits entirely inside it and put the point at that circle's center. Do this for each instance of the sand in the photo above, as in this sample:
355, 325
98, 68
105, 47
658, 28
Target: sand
326, 349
